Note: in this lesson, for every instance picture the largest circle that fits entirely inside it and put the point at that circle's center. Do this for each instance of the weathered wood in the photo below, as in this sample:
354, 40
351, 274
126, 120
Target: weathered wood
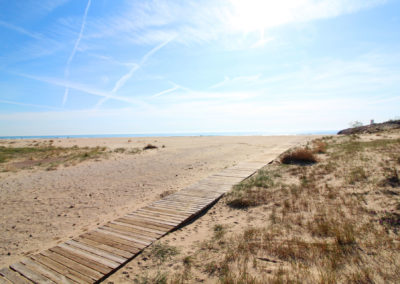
141, 234
123, 236
31, 275
104, 269
45, 271
116, 239
170, 211
154, 218
146, 230
97, 251
148, 223
105, 247
13, 277
71, 274
94, 236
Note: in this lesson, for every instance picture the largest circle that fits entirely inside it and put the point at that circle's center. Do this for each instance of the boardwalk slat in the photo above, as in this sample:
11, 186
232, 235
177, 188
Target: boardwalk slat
115, 239
126, 227
148, 210
75, 276
106, 248
85, 254
155, 218
97, 251
159, 214
152, 208
136, 222
147, 230
125, 237
104, 239
128, 231
82, 260
31, 275
13, 277
45, 271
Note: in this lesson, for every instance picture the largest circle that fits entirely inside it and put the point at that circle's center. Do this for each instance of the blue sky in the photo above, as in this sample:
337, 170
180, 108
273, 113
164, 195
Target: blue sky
125, 66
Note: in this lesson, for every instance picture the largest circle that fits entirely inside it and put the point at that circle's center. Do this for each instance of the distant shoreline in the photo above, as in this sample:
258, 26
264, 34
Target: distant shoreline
195, 134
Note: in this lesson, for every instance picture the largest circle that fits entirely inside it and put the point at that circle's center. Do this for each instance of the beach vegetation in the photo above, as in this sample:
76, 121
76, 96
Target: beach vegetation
300, 156
149, 147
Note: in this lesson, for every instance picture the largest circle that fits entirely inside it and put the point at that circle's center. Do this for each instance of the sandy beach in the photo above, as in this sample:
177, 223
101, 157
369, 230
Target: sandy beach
41, 208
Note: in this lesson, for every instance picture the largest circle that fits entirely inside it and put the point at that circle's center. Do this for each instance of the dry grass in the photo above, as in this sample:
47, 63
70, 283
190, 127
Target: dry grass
149, 146
46, 156
301, 156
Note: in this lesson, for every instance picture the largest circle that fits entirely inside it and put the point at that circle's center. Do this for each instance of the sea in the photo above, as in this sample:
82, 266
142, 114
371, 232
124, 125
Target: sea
324, 132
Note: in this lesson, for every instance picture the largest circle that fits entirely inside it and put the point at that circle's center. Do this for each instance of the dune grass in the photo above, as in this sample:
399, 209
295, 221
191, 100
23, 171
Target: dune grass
48, 156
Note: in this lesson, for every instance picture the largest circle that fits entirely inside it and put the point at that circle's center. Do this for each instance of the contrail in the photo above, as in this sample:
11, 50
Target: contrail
78, 40
20, 30
121, 82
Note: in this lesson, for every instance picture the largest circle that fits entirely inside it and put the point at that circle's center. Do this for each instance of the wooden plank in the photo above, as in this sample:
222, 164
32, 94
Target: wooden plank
85, 254
174, 208
169, 211
97, 251
155, 218
107, 248
159, 214
144, 223
150, 210
133, 237
31, 275
45, 271
104, 239
117, 240
13, 276
124, 237
82, 260
147, 230
140, 234
167, 225
71, 269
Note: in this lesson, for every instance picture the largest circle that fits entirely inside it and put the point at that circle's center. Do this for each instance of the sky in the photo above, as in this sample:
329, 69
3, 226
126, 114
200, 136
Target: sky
128, 66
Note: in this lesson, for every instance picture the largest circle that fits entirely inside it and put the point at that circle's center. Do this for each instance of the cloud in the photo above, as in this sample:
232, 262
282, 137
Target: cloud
71, 57
82, 88
149, 22
29, 105
122, 81
20, 30
241, 79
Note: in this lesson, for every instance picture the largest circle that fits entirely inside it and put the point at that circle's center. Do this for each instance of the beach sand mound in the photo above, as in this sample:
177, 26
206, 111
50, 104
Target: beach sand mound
373, 128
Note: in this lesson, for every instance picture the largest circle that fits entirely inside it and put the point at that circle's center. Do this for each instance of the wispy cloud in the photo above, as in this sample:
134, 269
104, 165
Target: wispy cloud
149, 22
80, 87
20, 30
71, 57
241, 79
167, 91
28, 105
122, 81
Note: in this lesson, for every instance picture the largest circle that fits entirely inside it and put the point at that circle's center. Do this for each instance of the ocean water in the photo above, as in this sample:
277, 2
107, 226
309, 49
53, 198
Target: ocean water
325, 132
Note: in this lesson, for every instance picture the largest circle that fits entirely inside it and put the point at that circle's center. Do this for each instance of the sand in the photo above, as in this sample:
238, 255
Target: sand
41, 208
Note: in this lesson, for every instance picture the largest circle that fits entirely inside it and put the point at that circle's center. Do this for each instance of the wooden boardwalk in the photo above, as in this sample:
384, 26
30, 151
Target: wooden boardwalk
93, 256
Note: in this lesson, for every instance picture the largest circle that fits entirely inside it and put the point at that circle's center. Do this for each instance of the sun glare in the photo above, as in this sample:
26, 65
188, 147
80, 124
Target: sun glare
257, 15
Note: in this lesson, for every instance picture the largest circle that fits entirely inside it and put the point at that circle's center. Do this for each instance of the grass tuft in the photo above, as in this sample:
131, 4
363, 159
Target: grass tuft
149, 146
301, 156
